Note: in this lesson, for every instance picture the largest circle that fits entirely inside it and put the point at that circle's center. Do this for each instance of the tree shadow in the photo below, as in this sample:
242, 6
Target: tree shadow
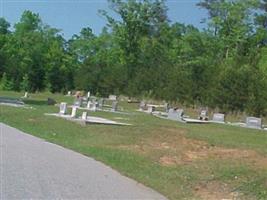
35, 102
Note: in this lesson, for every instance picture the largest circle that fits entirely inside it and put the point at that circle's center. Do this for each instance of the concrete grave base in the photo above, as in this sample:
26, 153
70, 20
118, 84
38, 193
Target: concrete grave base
89, 119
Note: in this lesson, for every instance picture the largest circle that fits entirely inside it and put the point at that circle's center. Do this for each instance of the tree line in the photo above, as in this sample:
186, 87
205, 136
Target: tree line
141, 53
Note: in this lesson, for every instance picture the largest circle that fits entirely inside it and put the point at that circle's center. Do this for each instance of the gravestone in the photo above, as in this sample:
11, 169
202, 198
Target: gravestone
74, 111
91, 105
254, 122
101, 103
84, 116
63, 108
112, 97
204, 115
114, 106
26, 95
150, 109
88, 95
69, 93
218, 117
166, 106
78, 102
51, 101
142, 106
175, 114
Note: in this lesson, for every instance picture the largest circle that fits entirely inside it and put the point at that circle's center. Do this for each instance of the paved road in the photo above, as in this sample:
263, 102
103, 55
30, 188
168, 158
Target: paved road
34, 169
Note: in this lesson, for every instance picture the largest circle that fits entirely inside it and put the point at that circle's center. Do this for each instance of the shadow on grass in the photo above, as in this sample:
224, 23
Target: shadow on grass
35, 102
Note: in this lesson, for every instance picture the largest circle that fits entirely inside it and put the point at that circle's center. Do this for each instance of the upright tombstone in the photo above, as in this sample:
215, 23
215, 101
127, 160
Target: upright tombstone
166, 106
78, 102
88, 95
203, 115
254, 122
89, 104
84, 116
101, 103
176, 115
63, 108
93, 106
142, 106
114, 106
26, 95
74, 112
112, 97
69, 93
218, 117
150, 109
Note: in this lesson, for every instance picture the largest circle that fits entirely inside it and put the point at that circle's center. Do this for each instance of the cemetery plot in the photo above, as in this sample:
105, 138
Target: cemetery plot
84, 119
11, 102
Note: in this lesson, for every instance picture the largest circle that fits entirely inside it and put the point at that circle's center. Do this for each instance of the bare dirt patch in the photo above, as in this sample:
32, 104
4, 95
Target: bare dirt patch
215, 190
170, 147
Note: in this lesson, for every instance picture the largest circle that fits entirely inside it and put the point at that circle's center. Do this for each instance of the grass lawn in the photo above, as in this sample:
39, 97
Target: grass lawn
181, 161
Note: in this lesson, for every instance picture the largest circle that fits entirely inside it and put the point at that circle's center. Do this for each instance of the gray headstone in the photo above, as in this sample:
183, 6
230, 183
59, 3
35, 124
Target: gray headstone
254, 122
175, 114
166, 106
93, 106
101, 103
89, 104
114, 106
78, 102
51, 101
218, 117
63, 108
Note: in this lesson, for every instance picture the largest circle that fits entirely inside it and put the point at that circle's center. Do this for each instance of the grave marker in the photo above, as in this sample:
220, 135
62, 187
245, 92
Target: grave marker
74, 111
114, 106
218, 117
112, 97
254, 122
84, 116
142, 105
63, 108
150, 109
175, 114
204, 115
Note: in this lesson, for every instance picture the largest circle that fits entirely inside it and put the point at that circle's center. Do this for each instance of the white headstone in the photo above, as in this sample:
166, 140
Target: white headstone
63, 108
88, 95
203, 115
254, 122
142, 105
74, 111
112, 97
26, 95
69, 93
84, 116
218, 117
150, 109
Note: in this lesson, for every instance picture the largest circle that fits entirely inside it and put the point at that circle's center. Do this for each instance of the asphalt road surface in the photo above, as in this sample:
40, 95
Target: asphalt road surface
32, 168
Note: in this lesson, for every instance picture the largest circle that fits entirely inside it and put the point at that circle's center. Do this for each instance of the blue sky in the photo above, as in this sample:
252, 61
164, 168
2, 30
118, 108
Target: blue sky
72, 15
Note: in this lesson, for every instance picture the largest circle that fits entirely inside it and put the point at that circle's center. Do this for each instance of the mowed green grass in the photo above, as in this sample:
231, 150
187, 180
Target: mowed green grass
146, 150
